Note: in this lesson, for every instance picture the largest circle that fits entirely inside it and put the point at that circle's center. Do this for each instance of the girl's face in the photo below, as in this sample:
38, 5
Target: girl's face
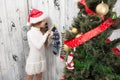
42, 23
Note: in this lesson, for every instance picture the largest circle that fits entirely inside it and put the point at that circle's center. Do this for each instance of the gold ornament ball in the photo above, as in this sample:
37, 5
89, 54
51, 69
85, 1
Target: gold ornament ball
102, 9
74, 30
66, 48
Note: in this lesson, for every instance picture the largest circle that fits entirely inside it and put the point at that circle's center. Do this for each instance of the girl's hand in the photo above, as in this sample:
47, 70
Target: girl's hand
51, 37
48, 32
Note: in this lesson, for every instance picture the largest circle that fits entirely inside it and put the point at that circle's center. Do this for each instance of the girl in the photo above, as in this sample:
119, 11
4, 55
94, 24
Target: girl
35, 63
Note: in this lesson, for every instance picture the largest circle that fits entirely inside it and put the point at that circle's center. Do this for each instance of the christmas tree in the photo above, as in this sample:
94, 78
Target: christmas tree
90, 55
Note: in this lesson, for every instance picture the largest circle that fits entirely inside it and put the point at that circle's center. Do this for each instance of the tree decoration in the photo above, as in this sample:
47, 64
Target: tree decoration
74, 30
69, 62
102, 9
78, 35
114, 15
66, 48
70, 58
107, 40
70, 65
62, 51
116, 51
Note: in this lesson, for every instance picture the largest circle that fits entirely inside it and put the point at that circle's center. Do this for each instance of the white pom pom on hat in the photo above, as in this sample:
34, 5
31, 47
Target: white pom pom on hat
35, 16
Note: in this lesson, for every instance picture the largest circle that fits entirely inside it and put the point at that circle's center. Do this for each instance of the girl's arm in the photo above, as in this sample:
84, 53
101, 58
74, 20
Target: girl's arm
36, 40
50, 38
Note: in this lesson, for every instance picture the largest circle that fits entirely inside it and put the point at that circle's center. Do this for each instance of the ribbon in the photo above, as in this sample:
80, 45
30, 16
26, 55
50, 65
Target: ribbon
89, 11
90, 34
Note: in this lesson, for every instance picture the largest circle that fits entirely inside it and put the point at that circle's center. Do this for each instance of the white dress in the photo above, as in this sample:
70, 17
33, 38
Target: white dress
36, 61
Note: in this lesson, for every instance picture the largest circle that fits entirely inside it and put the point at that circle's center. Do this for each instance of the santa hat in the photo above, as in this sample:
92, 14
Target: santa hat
35, 16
